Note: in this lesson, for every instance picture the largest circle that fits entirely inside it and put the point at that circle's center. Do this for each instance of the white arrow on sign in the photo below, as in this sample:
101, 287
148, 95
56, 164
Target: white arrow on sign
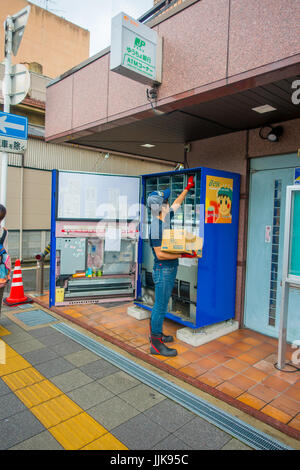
10, 125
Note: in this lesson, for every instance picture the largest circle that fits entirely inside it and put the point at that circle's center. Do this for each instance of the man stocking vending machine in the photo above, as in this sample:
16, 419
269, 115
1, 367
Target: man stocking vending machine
204, 290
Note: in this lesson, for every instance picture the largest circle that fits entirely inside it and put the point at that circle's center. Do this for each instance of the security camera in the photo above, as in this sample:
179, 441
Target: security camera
152, 93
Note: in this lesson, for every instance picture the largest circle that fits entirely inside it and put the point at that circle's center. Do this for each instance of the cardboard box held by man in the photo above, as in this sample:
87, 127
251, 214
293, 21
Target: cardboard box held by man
181, 241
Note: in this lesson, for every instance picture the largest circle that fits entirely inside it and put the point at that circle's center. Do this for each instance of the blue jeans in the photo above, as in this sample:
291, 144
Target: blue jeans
164, 280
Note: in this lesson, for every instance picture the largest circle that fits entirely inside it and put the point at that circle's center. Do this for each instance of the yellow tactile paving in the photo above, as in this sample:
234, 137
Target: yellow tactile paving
10, 352
106, 442
4, 331
55, 411
13, 364
22, 378
2, 352
68, 423
37, 393
77, 432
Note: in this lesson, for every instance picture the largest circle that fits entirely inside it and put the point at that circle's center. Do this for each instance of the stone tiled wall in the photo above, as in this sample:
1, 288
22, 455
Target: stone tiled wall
202, 46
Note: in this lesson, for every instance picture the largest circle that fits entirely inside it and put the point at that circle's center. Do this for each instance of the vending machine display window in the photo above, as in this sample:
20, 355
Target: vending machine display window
95, 236
204, 291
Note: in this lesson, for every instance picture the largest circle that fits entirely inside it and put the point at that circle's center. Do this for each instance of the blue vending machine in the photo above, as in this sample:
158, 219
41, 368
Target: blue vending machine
204, 291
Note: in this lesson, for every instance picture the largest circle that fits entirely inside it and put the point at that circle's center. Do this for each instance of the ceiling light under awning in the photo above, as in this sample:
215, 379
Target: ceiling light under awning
148, 145
266, 108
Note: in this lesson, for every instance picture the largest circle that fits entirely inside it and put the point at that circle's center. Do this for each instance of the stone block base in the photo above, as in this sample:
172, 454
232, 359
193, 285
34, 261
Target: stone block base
138, 313
207, 333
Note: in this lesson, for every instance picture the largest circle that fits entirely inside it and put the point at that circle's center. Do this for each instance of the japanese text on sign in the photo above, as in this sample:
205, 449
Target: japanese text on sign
12, 145
136, 58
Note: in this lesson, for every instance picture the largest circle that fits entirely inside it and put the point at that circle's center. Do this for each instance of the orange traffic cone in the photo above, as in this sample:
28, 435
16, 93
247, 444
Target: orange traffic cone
16, 295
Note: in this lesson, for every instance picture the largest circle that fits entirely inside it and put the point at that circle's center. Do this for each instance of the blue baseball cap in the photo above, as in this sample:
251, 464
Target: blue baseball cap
157, 198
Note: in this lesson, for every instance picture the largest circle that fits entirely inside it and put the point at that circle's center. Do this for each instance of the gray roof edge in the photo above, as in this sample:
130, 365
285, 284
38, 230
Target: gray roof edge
37, 131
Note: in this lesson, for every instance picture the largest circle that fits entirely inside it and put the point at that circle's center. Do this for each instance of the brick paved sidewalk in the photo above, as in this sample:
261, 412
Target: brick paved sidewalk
237, 368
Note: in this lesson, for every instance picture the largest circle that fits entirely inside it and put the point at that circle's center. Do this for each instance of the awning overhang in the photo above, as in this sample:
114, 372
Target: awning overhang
170, 124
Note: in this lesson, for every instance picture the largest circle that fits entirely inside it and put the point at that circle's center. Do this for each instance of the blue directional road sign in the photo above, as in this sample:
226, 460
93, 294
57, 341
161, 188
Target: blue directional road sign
13, 126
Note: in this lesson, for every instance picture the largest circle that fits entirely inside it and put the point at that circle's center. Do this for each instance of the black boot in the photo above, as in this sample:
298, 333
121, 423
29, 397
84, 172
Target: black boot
164, 338
157, 347
167, 338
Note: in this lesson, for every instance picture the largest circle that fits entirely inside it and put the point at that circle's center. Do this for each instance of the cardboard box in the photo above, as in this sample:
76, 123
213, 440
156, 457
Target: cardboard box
181, 241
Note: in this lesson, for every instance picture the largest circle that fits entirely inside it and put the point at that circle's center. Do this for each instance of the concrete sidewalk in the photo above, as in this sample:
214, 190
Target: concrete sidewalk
56, 394
237, 368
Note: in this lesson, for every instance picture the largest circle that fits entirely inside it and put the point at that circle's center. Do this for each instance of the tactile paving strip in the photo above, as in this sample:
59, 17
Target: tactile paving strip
70, 425
13, 364
77, 432
225, 421
55, 411
37, 393
3, 331
23, 378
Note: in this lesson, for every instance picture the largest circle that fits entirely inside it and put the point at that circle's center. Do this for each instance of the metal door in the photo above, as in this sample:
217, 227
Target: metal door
264, 255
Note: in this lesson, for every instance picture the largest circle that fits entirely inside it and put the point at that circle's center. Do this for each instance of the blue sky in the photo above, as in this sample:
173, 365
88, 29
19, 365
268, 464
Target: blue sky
95, 15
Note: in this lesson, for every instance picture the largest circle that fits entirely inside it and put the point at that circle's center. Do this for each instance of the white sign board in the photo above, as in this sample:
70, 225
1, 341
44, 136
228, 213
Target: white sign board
92, 196
136, 50
12, 145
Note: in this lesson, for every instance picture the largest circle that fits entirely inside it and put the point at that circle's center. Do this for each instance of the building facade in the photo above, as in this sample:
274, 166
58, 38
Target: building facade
29, 176
50, 41
225, 86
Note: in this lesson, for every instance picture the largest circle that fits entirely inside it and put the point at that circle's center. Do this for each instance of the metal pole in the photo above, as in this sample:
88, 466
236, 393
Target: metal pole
6, 107
285, 284
21, 211
283, 326
40, 276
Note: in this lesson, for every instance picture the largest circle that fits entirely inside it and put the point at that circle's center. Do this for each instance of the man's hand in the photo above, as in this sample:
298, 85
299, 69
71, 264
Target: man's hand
177, 203
188, 255
190, 184
164, 255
